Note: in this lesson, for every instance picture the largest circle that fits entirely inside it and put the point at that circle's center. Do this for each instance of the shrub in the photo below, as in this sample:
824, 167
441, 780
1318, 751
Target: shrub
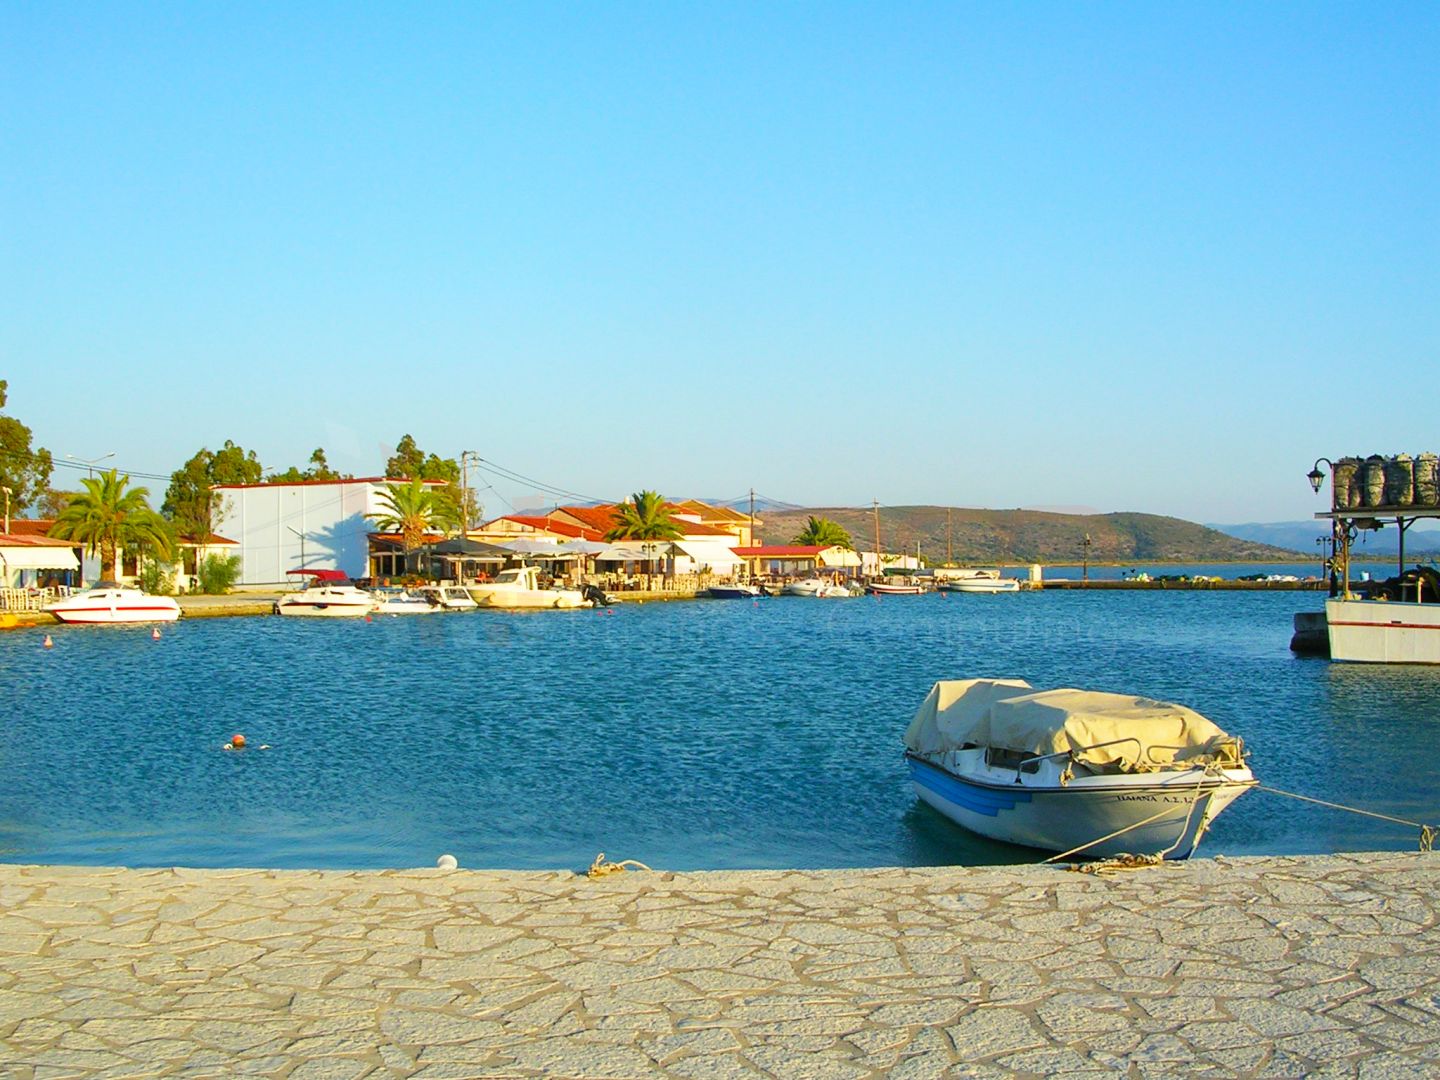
217, 573
155, 579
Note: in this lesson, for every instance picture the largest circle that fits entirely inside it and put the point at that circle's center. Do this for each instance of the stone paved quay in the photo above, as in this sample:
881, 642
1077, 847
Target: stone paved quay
1324, 966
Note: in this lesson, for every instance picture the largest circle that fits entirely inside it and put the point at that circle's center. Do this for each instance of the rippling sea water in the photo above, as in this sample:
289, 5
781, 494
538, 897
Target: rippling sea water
687, 735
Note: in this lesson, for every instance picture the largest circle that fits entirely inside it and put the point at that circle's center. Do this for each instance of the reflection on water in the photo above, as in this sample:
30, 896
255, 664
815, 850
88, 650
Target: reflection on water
719, 734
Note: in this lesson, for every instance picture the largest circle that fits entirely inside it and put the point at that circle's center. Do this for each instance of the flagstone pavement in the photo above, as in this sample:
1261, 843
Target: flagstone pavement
1270, 967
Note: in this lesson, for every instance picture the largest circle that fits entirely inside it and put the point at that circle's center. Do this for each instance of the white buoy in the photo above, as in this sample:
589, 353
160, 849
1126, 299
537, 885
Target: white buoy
447, 862
48, 643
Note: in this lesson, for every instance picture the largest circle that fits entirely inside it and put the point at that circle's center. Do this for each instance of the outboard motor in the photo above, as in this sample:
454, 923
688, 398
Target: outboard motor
596, 596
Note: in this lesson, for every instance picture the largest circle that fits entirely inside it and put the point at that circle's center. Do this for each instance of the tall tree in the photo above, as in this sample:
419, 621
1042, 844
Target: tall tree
189, 501
24, 471
410, 462
319, 470
644, 517
106, 517
413, 509
822, 532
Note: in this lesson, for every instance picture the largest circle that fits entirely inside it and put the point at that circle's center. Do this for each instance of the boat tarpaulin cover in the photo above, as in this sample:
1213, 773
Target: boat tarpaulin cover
1098, 728
955, 711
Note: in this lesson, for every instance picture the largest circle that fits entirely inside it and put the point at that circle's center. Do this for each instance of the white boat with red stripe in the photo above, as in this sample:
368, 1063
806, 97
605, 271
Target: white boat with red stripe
329, 594
110, 602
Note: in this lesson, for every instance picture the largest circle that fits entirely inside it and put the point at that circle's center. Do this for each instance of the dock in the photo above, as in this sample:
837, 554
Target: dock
1283, 966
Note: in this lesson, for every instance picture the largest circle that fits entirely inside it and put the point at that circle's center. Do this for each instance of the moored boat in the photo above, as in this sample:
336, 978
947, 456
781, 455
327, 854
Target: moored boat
1080, 772
818, 588
734, 591
895, 587
978, 581
447, 597
110, 602
393, 600
329, 594
519, 588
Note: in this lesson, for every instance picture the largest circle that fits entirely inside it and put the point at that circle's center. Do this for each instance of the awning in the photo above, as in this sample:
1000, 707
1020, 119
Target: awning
473, 550
39, 558
634, 551
715, 556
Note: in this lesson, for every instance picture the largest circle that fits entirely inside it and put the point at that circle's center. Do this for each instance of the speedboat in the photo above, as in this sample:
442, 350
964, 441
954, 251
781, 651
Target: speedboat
1075, 771
448, 597
817, 587
110, 602
519, 587
329, 594
734, 591
979, 581
393, 600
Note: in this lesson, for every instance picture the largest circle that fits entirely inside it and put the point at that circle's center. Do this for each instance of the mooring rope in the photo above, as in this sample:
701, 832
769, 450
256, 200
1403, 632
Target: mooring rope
600, 868
1134, 862
1427, 832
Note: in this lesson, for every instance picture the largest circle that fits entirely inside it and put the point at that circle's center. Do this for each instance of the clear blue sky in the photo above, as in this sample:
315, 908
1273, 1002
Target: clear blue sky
1128, 256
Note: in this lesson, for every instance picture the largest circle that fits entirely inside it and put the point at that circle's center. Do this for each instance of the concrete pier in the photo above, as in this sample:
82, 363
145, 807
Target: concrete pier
1325, 966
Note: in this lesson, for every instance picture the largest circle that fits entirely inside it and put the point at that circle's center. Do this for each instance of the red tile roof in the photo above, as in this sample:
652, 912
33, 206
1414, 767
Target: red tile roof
561, 528
779, 551
601, 519
31, 526
22, 540
312, 483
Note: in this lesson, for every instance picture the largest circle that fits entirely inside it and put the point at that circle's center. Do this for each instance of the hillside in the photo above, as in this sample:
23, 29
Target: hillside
1024, 536
1422, 540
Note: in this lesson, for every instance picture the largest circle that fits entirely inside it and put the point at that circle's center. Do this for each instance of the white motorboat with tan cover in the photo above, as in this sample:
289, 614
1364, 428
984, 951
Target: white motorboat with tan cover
519, 587
1076, 771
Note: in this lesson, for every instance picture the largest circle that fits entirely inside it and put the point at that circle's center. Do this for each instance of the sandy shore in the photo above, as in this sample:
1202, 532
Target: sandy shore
1248, 967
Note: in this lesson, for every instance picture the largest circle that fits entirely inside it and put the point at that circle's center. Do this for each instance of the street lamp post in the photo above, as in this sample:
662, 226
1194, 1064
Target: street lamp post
1085, 569
90, 463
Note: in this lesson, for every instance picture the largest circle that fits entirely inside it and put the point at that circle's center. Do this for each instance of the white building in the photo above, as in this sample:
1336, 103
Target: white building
316, 524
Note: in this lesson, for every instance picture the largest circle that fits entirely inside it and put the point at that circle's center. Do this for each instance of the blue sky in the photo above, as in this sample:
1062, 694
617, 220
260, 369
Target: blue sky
1126, 256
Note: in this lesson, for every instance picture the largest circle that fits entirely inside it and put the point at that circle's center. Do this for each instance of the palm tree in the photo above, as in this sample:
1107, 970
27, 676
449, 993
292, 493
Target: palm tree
822, 532
644, 517
413, 509
106, 517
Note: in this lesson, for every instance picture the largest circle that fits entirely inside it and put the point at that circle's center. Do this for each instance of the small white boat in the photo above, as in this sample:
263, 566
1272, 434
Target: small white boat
109, 602
817, 587
329, 594
447, 597
1080, 772
519, 587
393, 600
979, 581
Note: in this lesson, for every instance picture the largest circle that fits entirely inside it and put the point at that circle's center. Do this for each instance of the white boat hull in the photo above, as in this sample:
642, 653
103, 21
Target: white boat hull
524, 599
115, 606
1063, 818
1383, 631
816, 590
327, 603
983, 585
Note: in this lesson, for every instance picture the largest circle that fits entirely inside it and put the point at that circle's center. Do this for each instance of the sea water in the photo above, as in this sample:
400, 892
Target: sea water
706, 734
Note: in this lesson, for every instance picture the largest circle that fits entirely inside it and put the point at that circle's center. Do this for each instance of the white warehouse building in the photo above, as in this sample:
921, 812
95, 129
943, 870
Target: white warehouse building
311, 524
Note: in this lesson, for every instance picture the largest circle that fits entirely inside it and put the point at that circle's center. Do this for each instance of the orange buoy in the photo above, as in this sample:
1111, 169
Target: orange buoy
155, 633
238, 741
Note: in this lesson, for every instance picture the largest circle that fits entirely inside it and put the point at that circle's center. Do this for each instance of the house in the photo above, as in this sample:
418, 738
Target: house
797, 560
318, 524
510, 527
28, 557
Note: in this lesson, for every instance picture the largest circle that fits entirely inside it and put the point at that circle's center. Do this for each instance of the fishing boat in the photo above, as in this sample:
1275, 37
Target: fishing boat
734, 591
977, 581
110, 602
896, 586
817, 588
519, 588
1080, 772
328, 594
393, 600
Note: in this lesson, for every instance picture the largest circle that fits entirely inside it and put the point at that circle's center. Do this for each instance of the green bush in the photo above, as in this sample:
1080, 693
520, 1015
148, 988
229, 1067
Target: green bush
218, 573
156, 579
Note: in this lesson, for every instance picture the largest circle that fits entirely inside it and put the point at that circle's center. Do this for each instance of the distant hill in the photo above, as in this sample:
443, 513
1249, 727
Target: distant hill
1301, 536
1024, 536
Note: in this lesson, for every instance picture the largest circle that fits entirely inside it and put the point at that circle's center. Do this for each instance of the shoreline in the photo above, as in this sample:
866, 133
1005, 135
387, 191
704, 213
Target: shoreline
1281, 965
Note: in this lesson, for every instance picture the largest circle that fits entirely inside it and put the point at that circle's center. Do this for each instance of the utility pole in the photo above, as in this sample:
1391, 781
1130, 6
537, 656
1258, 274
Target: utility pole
1085, 573
879, 565
753, 561
949, 542
465, 508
